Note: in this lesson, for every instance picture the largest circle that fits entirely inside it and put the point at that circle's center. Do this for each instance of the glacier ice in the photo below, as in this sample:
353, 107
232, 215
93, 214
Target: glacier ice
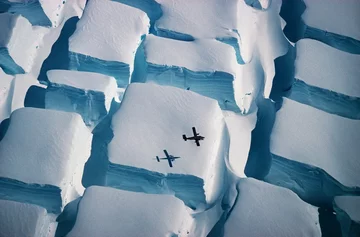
22, 219
263, 209
108, 50
43, 163
207, 67
6, 86
105, 211
89, 94
17, 56
348, 213
197, 177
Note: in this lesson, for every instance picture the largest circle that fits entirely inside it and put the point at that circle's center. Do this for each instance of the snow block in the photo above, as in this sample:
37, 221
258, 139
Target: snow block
42, 159
38, 12
154, 118
207, 67
6, 87
89, 94
124, 213
320, 141
335, 16
347, 210
108, 50
263, 209
18, 56
22, 219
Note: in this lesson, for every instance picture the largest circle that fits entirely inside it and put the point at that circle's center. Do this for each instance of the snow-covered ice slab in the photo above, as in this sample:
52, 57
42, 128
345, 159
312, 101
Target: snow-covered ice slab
263, 209
39, 12
106, 39
22, 219
6, 86
42, 157
153, 118
207, 67
124, 213
340, 17
323, 66
348, 214
310, 136
89, 94
17, 55
200, 19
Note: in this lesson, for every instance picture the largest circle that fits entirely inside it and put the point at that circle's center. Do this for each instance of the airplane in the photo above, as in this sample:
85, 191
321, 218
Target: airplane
196, 137
168, 157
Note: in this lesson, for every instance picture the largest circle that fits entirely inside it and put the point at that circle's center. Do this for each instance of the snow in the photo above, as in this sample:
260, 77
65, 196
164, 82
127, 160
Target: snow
239, 127
22, 53
155, 118
89, 94
307, 135
6, 86
323, 66
21, 219
262, 209
340, 17
54, 148
349, 204
115, 44
110, 212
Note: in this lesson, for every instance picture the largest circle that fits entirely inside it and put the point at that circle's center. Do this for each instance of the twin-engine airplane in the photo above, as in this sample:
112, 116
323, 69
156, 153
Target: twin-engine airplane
196, 137
168, 157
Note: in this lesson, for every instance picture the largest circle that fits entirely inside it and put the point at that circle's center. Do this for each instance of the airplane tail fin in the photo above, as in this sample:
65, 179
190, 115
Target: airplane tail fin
157, 158
184, 137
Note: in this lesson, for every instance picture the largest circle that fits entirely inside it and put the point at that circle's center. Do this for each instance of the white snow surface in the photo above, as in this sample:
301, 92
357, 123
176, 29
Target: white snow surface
349, 204
153, 118
110, 31
86, 81
199, 56
15, 28
340, 17
6, 89
45, 147
240, 128
200, 18
110, 212
263, 209
323, 66
23, 220
311, 136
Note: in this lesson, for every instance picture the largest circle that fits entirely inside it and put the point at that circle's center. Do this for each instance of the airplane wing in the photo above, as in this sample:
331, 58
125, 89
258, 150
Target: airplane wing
194, 131
170, 163
166, 153
197, 142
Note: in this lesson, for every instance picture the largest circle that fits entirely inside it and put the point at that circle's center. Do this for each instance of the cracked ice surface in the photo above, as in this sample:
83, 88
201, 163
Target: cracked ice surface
124, 213
106, 39
59, 166
311, 136
340, 17
263, 209
161, 114
22, 219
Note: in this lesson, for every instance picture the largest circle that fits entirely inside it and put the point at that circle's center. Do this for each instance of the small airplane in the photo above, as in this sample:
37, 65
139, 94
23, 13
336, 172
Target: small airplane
196, 137
168, 157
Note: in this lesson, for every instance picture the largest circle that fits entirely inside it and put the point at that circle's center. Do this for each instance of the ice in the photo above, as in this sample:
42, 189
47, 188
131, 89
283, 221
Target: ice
348, 214
310, 136
334, 16
39, 12
89, 94
153, 118
262, 209
106, 39
18, 56
42, 157
22, 219
109, 212
320, 65
207, 67
6, 85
